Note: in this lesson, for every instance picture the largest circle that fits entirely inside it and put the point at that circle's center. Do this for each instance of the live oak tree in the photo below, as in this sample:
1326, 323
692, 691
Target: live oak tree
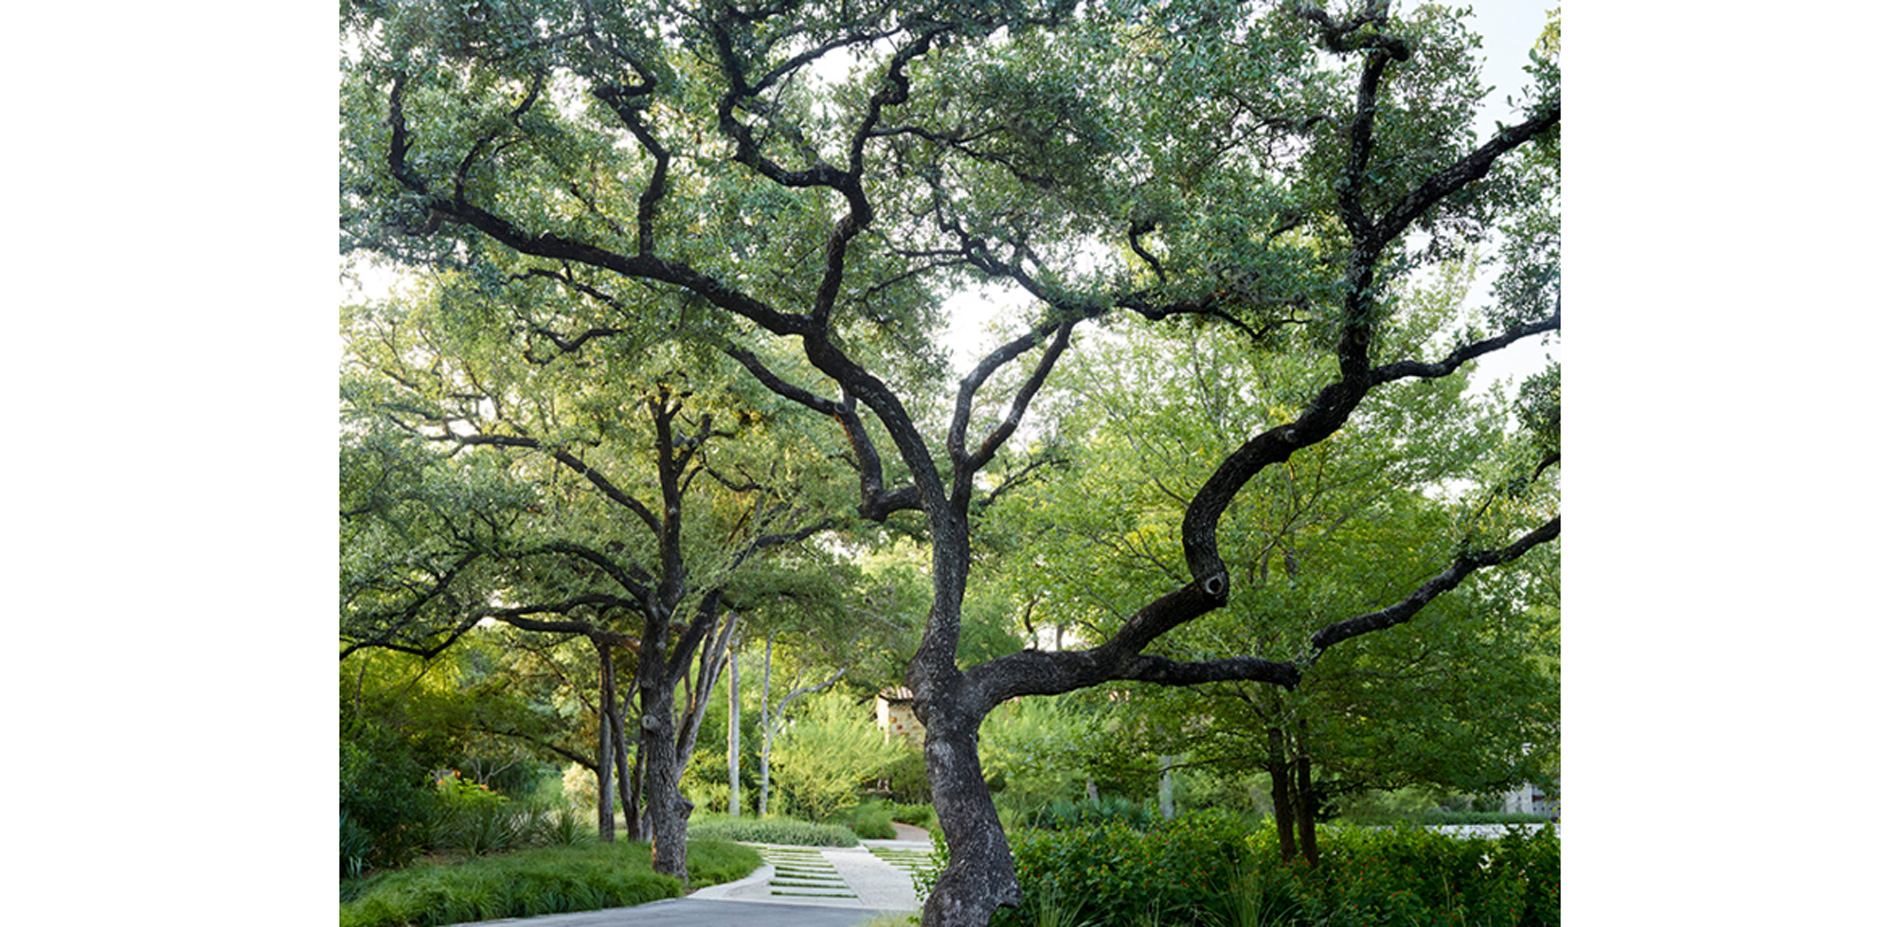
495, 475
800, 187
1464, 699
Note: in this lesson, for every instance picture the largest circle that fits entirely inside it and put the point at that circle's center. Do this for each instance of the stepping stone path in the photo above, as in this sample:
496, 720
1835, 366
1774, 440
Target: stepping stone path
911, 861
804, 873
876, 875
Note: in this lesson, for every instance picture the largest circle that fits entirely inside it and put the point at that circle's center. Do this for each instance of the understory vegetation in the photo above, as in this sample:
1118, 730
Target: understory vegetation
1215, 870
773, 830
528, 883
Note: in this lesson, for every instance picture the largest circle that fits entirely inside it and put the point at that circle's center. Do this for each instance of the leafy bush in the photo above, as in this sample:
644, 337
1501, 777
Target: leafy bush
916, 815
1537, 860
906, 780
535, 882
872, 821
580, 786
1115, 874
773, 830
384, 800
828, 753
1411, 874
1212, 869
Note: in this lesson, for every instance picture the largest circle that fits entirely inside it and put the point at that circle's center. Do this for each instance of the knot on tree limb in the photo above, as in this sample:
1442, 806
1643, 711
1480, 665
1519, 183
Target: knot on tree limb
1215, 585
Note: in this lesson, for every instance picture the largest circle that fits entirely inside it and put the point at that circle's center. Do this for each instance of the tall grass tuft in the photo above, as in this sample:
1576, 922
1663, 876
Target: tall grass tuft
1053, 910
564, 827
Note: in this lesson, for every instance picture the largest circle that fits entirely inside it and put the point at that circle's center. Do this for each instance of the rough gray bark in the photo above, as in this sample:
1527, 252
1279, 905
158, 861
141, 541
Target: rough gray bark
604, 770
734, 792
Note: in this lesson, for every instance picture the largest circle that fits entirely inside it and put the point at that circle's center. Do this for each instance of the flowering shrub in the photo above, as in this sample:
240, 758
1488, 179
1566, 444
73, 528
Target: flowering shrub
478, 820
1194, 871
458, 792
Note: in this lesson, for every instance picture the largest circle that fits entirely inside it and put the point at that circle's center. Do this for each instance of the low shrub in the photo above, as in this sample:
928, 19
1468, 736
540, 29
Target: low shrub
1536, 858
534, 882
384, 801
1216, 870
872, 821
1112, 873
773, 830
916, 815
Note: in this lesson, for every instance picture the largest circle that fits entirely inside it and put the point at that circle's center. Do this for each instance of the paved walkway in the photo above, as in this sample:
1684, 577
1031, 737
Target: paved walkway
797, 887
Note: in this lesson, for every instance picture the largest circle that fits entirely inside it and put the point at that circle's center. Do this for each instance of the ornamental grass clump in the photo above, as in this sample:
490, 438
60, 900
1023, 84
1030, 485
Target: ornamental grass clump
535, 882
773, 830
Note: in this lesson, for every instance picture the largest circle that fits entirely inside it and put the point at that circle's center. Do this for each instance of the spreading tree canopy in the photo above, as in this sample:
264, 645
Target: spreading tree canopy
799, 187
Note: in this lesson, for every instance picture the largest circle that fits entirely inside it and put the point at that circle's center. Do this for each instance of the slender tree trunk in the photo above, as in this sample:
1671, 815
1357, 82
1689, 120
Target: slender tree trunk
641, 828
604, 770
1308, 801
1281, 774
732, 738
765, 731
628, 780
1164, 794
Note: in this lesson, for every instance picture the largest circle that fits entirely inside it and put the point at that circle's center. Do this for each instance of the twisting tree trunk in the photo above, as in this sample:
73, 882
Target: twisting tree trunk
667, 809
979, 877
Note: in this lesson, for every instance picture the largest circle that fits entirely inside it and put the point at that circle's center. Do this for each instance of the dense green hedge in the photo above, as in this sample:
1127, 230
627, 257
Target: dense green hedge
773, 830
535, 882
1212, 870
